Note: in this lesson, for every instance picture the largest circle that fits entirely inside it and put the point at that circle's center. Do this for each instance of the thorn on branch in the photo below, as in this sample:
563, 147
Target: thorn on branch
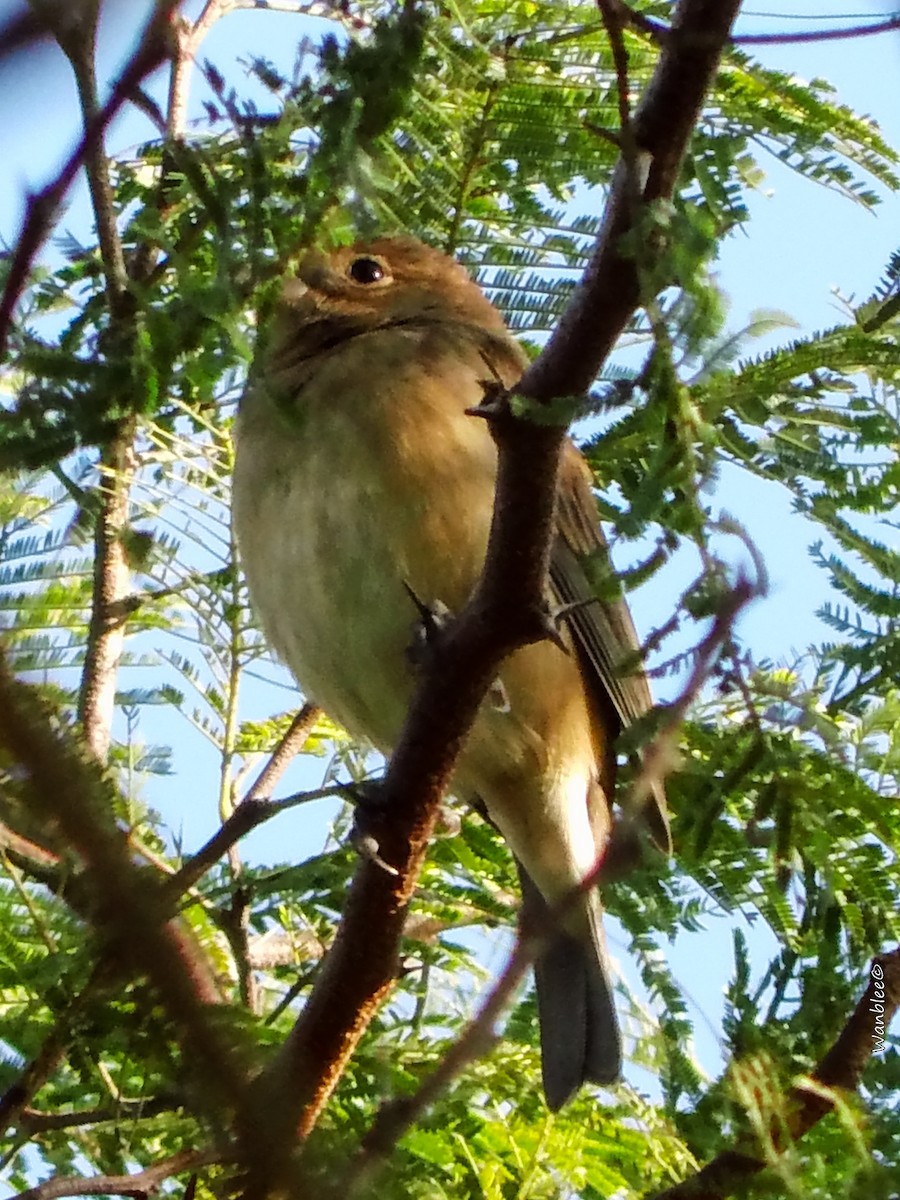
495, 403
549, 622
367, 848
367, 796
600, 131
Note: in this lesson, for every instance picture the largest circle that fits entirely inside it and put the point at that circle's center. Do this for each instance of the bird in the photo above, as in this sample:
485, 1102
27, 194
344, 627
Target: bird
362, 478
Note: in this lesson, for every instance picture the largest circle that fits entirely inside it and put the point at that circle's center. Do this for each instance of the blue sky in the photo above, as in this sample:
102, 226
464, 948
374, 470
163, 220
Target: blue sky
801, 244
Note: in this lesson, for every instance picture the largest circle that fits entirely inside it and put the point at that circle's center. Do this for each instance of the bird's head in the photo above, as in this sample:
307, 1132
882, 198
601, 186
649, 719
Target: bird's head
387, 281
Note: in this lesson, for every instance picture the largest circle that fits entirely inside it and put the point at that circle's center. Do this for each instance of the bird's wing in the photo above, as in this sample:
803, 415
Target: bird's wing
602, 629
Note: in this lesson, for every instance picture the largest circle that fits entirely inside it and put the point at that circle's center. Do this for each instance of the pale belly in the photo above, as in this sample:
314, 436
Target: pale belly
335, 513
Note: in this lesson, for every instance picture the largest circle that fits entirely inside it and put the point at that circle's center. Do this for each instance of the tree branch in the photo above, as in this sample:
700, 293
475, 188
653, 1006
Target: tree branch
32, 1122
659, 31
78, 42
112, 583
840, 1069
140, 1185
253, 810
818, 35
613, 22
52, 1053
285, 752
248, 815
610, 289
28, 855
68, 790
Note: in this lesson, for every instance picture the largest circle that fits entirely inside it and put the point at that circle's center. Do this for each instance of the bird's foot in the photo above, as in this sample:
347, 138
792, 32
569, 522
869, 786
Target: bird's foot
425, 647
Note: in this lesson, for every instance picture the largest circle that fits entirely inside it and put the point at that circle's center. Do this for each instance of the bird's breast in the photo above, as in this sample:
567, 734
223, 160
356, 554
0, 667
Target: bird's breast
368, 476
360, 473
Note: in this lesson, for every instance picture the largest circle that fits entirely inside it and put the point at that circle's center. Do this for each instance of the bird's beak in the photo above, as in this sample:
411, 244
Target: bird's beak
314, 280
299, 299
294, 291
315, 271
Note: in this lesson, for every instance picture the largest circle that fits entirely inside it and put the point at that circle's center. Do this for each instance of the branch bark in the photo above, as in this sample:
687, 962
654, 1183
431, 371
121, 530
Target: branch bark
112, 583
396, 1117
610, 290
284, 753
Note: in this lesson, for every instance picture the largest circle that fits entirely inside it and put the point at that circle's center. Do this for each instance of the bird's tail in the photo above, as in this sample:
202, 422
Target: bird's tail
580, 1040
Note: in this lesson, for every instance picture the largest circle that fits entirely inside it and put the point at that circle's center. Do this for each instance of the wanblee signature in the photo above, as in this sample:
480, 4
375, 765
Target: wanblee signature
876, 1006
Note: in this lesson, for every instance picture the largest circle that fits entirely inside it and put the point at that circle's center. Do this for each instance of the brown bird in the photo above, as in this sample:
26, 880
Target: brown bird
358, 473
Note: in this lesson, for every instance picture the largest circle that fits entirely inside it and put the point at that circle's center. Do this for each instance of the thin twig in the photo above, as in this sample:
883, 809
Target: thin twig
285, 752
659, 31
140, 1185
34, 1122
817, 35
246, 816
610, 289
28, 854
235, 920
187, 37
332, 10
612, 17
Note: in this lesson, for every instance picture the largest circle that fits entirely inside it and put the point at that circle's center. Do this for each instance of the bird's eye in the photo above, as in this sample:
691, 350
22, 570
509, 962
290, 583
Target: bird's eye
365, 270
